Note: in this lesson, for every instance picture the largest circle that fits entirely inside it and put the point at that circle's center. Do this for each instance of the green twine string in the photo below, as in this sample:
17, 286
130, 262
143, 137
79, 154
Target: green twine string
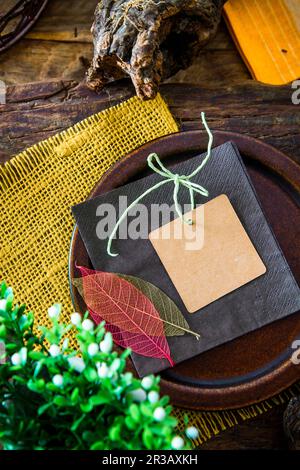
177, 180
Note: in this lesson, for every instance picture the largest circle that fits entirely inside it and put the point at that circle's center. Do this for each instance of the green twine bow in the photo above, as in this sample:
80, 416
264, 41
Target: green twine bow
177, 180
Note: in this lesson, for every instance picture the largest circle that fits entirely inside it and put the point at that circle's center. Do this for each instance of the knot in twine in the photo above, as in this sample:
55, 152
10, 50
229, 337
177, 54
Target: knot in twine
157, 166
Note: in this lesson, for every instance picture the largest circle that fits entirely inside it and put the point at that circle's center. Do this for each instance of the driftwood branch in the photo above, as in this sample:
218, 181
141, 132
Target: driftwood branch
149, 40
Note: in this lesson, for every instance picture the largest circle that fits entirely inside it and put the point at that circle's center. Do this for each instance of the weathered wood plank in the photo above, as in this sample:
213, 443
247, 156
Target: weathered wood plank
227, 68
35, 60
59, 46
65, 21
35, 111
251, 108
57, 24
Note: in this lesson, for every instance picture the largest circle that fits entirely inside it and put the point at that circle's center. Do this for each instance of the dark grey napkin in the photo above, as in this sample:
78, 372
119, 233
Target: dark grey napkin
264, 300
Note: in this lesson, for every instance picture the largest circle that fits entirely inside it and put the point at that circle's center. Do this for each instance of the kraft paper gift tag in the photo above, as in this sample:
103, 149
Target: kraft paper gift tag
267, 298
215, 251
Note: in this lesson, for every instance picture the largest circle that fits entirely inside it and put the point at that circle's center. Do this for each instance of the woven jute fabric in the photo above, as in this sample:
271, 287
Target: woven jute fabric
38, 188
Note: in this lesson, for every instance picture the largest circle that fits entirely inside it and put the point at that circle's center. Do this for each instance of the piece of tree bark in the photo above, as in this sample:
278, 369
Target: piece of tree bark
149, 40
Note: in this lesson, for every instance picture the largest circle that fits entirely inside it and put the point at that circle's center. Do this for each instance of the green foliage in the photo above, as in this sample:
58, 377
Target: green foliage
55, 397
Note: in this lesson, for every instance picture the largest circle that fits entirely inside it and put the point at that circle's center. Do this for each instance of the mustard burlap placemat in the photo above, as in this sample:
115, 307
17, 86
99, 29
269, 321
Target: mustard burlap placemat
37, 189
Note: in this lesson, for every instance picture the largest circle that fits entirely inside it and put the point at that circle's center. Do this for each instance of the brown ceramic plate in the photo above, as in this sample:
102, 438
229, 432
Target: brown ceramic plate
257, 365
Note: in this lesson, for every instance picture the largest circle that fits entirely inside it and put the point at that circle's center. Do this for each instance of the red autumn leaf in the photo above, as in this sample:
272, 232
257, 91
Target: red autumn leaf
125, 339
129, 314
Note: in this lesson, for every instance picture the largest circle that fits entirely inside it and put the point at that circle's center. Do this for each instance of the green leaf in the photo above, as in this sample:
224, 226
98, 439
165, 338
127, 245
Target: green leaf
100, 399
90, 374
36, 355
86, 407
88, 436
4, 316
40, 383
130, 423
37, 369
158, 430
36, 385
59, 400
15, 313
22, 310
126, 353
24, 322
168, 409
186, 419
9, 301
75, 396
164, 401
11, 347
2, 331
33, 341
147, 438
51, 387
146, 410
3, 289
99, 445
134, 412
15, 368
115, 433
19, 379
77, 423
174, 322
44, 408
171, 421
8, 292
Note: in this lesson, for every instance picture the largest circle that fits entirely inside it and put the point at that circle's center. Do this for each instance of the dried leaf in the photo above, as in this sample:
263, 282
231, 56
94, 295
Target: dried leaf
174, 322
124, 307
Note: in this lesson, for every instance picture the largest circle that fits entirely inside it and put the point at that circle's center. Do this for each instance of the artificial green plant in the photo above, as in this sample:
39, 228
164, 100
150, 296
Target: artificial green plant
53, 396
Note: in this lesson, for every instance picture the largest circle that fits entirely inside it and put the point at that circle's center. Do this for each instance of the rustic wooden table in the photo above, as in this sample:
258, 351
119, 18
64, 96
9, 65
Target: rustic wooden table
46, 70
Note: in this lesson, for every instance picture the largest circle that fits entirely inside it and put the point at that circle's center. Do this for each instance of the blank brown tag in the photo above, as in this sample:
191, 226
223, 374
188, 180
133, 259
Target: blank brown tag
211, 257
